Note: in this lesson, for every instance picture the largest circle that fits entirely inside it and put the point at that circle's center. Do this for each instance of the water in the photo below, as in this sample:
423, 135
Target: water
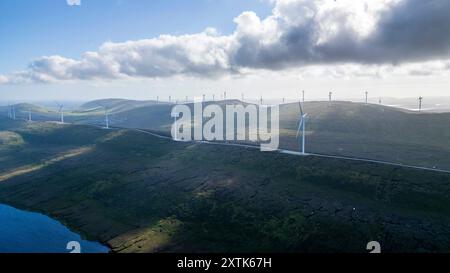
28, 232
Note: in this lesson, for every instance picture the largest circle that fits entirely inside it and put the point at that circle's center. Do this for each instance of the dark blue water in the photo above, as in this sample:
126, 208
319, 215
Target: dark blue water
28, 232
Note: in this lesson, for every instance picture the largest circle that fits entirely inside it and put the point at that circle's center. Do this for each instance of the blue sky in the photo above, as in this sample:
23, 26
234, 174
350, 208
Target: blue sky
33, 28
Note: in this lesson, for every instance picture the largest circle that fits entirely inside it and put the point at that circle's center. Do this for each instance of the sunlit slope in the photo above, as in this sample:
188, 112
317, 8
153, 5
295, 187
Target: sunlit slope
22, 111
143, 194
339, 128
114, 105
371, 131
157, 116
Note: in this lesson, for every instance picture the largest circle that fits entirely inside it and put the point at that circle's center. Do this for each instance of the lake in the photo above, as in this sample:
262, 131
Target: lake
29, 232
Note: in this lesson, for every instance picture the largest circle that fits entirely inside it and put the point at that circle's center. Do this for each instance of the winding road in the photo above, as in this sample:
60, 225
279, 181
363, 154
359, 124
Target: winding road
288, 152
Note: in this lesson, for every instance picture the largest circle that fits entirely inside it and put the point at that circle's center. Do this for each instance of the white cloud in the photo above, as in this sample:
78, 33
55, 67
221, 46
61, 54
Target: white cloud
74, 2
363, 38
3, 79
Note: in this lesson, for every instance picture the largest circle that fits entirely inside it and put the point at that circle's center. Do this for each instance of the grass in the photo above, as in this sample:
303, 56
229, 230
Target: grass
138, 193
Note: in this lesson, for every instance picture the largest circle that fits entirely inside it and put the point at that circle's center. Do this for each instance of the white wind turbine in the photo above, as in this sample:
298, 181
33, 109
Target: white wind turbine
302, 127
9, 111
106, 118
60, 109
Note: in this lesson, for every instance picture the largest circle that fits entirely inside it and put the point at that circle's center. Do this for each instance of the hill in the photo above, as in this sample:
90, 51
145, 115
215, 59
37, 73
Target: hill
368, 131
138, 193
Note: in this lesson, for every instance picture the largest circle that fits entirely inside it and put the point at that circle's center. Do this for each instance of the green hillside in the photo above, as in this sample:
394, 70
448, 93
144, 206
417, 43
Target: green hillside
341, 128
138, 193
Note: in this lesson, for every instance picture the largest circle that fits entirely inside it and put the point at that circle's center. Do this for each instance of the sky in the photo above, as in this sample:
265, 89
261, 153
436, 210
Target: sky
140, 49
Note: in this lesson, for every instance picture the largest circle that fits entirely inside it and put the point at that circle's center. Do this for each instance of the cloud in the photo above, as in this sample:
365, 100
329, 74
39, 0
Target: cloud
380, 35
73, 2
3, 79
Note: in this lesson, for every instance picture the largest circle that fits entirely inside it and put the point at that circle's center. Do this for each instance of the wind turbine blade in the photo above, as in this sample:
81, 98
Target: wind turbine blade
301, 108
299, 126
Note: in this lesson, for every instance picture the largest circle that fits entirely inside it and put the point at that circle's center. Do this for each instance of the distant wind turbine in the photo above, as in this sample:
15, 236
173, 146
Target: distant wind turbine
330, 95
367, 97
303, 95
60, 109
9, 111
420, 103
302, 128
106, 117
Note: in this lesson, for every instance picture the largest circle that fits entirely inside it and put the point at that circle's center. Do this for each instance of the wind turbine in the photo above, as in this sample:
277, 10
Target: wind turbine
303, 95
330, 96
60, 109
106, 117
9, 111
302, 127
367, 97
420, 103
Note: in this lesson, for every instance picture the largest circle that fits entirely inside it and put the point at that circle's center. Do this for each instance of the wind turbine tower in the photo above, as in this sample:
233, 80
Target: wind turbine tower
302, 128
303, 95
330, 96
9, 111
367, 97
420, 103
61, 112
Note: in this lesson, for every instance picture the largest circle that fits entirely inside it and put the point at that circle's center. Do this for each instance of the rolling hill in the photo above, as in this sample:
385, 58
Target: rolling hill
138, 193
341, 128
